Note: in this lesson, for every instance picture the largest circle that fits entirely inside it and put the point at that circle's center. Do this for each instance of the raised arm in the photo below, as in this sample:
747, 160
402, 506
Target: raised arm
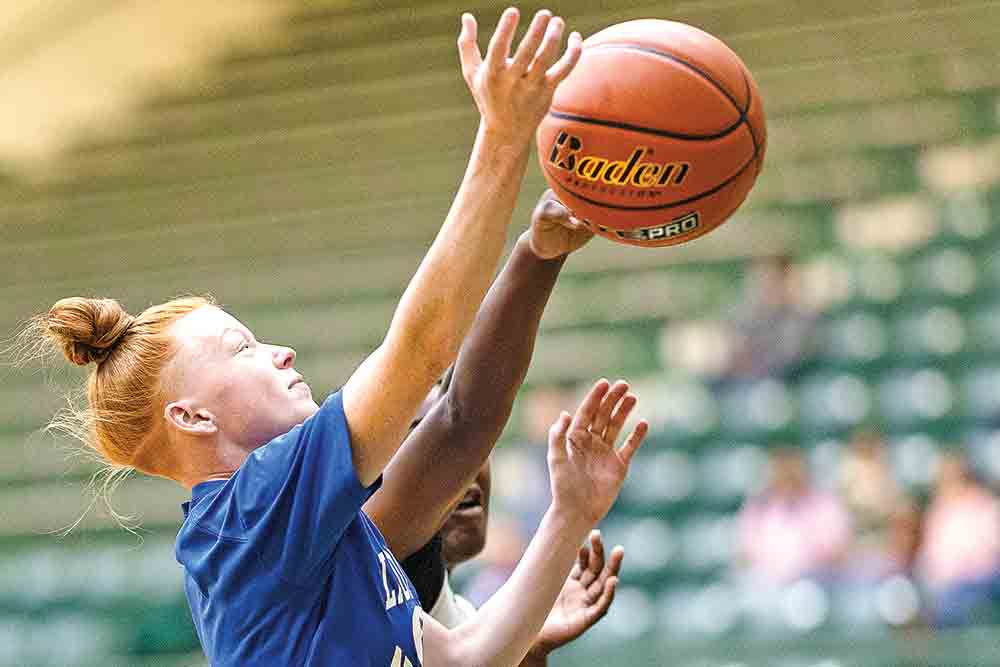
586, 472
441, 301
464, 425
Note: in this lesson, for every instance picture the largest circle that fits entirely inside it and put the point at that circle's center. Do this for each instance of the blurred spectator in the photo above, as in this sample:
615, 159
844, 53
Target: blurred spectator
959, 560
885, 520
792, 529
773, 330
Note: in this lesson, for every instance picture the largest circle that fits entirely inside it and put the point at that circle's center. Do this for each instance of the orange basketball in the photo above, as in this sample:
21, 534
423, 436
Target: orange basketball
657, 136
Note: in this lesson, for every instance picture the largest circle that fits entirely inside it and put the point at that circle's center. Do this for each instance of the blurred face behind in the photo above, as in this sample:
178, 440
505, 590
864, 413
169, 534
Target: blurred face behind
789, 474
464, 532
952, 475
249, 390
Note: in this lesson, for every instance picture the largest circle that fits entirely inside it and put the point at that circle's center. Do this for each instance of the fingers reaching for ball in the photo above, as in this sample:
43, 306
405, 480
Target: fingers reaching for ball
532, 39
549, 209
513, 93
554, 230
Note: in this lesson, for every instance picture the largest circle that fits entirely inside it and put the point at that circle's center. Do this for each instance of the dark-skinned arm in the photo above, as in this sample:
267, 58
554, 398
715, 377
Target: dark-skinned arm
442, 456
534, 659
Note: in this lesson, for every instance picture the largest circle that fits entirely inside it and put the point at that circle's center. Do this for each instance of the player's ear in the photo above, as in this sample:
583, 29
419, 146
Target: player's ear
188, 418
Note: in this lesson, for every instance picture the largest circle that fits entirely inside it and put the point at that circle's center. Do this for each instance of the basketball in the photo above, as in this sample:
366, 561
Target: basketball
657, 136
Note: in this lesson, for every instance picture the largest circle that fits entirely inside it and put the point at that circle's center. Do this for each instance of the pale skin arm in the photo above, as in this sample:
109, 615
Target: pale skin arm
439, 305
584, 600
587, 472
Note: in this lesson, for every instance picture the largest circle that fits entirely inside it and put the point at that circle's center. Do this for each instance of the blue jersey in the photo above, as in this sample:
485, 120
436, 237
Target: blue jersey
283, 568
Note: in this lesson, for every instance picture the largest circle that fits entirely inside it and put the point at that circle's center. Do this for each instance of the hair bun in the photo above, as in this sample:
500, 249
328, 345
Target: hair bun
87, 330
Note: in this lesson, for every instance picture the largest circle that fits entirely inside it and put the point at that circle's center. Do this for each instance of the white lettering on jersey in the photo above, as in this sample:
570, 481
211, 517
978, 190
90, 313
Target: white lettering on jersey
391, 599
401, 592
399, 658
401, 579
418, 633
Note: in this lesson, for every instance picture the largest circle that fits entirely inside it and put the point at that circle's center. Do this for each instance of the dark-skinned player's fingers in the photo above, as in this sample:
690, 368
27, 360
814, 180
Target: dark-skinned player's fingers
558, 72
620, 416
633, 442
584, 416
614, 565
608, 403
596, 562
547, 206
531, 41
611, 569
548, 52
597, 552
596, 611
468, 48
581, 563
503, 36
545, 196
552, 211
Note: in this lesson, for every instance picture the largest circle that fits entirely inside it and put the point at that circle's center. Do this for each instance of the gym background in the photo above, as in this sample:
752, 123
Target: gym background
822, 373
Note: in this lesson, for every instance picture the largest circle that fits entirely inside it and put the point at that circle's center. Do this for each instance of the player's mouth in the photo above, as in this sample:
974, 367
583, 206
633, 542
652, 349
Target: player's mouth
296, 382
471, 504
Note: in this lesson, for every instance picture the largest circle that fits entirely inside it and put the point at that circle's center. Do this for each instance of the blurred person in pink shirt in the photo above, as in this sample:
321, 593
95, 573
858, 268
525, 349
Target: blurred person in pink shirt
886, 521
959, 560
792, 529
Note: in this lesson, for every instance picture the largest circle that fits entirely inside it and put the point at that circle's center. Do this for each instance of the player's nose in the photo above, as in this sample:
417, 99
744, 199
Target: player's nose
284, 357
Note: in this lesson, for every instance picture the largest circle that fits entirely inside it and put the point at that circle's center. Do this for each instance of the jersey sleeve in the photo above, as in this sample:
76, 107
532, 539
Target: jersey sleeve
297, 494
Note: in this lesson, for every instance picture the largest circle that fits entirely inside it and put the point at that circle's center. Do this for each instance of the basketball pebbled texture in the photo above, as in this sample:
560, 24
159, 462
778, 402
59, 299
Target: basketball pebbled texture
657, 136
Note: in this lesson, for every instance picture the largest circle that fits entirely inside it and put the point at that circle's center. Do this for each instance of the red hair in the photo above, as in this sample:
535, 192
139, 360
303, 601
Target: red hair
122, 420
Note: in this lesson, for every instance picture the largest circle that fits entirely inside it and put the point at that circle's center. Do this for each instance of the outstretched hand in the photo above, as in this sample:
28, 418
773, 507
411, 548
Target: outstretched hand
513, 94
585, 598
586, 469
554, 231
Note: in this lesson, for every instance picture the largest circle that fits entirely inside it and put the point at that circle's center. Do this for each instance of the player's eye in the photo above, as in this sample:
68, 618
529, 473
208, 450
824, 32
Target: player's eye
244, 346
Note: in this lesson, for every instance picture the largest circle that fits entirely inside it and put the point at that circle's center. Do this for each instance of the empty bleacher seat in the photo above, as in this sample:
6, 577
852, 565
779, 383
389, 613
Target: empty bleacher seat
939, 331
914, 395
707, 541
834, 400
856, 337
984, 325
949, 272
984, 451
660, 477
731, 472
764, 406
914, 459
981, 387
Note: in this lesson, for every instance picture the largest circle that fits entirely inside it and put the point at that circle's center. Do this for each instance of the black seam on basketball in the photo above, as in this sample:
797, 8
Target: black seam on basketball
746, 84
681, 202
647, 130
680, 61
753, 135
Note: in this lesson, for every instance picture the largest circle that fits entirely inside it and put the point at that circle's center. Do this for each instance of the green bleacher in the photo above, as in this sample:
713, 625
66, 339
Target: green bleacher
301, 184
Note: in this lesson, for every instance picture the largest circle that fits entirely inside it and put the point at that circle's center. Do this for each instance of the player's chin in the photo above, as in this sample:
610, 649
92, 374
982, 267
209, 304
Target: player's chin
465, 530
303, 408
464, 543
